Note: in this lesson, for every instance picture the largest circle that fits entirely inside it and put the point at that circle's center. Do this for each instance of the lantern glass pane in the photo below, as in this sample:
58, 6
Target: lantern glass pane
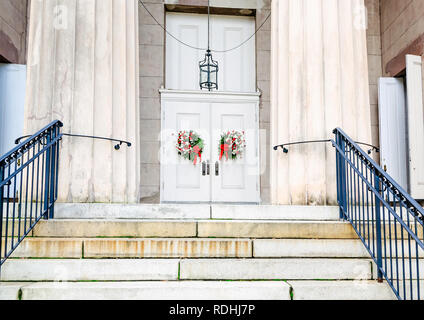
203, 76
213, 76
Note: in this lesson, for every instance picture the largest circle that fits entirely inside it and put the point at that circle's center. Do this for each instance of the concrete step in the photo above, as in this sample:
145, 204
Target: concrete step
322, 248
275, 212
399, 269
276, 229
154, 290
131, 211
10, 291
133, 248
188, 248
180, 228
193, 248
115, 228
301, 248
195, 228
89, 270
15, 227
193, 211
198, 290
50, 248
185, 269
341, 290
274, 269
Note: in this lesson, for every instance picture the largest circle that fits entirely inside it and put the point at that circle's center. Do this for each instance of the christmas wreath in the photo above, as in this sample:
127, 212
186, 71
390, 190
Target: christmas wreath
232, 145
190, 146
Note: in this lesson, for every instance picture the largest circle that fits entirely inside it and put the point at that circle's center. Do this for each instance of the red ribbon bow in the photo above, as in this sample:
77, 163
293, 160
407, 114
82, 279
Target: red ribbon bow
197, 153
224, 148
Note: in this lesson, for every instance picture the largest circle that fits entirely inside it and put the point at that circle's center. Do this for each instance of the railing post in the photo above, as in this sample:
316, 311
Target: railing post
378, 228
1, 192
341, 176
52, 173
47, 177
1, 211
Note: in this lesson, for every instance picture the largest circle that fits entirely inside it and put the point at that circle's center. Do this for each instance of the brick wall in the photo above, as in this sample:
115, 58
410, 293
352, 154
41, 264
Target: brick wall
402, 22
402, 32
13, 31
152, 51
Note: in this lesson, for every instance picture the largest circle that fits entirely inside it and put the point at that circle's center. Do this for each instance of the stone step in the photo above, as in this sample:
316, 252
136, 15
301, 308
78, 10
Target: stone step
193, 248
133, 248
116, 228
15, 228
142, 228
399, 269
275, 212
193, 211
153, 290
49, 248
198, 228
195, 228
276, 229
131, 211
274, 269
198, 290
323, 248
185, 269
89, 269
316, 248
10, 291
341, 290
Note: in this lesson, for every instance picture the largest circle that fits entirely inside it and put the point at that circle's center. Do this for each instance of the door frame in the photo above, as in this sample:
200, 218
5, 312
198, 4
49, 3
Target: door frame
212, 97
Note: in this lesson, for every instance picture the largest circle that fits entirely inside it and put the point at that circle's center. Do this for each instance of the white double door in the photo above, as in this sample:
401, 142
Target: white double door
212, 179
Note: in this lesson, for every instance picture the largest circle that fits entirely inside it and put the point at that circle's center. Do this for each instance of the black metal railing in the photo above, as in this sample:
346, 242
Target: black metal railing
385, 217
285, 145
28, 186
117, 146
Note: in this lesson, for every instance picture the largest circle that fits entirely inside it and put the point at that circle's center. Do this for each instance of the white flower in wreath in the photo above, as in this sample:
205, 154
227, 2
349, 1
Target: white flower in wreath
190, 146
232, 145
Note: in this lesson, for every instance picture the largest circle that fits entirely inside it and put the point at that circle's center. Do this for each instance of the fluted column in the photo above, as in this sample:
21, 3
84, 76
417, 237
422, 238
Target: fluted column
83, 70
319, 82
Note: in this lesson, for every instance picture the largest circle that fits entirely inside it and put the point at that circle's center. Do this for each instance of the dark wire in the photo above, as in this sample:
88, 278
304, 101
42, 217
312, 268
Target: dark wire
203, 49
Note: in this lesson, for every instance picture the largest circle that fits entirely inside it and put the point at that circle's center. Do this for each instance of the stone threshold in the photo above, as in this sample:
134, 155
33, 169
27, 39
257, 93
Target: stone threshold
194, 211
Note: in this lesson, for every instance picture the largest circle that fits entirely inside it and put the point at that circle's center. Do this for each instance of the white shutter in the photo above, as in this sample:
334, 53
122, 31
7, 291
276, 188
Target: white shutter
415, 125
392, 114
12, 101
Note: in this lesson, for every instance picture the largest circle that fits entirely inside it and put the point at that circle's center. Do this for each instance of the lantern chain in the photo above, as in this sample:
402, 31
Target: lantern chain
203, 49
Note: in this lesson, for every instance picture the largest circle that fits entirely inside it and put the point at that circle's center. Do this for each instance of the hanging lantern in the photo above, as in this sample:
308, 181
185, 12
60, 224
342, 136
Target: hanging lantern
208, 67
208, 72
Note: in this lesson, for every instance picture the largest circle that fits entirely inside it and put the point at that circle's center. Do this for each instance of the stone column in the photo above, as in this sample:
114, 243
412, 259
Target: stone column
83, 70
319, 82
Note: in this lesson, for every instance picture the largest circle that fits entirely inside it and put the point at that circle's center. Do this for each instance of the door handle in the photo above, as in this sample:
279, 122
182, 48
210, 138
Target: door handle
203, 168
217, 168
208, 168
